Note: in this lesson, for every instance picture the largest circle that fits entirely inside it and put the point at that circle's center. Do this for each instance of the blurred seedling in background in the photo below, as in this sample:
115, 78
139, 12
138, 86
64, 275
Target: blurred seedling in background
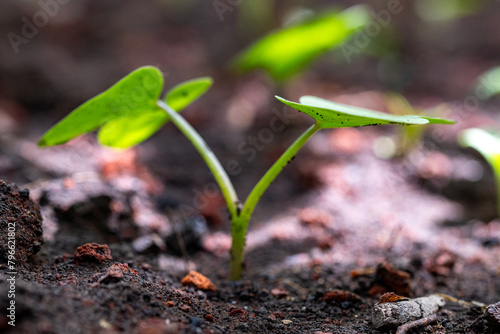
447, 10
488, 84
288, 51
130, 112
488, 144
406, 138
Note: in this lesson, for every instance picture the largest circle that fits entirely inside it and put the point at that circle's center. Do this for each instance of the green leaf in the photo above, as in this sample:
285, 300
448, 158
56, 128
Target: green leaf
488, 84
485, 142
131, 130
130, 97
287, 51
126, 113
330, 114
185, 93
488, 144
125, 132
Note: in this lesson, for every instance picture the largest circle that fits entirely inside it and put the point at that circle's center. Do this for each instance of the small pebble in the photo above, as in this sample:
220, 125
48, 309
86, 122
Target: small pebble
392, 314
194, 278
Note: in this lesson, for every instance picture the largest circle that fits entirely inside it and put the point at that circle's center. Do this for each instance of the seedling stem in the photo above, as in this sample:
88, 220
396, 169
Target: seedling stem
239, 218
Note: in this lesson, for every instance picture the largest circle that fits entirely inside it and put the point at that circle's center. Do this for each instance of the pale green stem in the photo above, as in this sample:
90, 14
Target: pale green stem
239, 220
239, 224
276, 168
497, 177
208, 155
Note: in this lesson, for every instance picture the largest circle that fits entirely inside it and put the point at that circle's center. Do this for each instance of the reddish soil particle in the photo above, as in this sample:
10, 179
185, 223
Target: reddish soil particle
361, 272
71, 279
209, 317
194, 278
153, 326
376, 290
185, 308
325, 242
125, 268
389, 297
240, 313
121, 163
92, 252
170, 303
279, 292
314, 217
114, 272
442, 264
277, 315
212, 207
393, 279
20, 217
236, 312
340, 296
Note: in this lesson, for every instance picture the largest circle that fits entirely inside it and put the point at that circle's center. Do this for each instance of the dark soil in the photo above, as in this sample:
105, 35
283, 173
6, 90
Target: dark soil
335, 231
317, 268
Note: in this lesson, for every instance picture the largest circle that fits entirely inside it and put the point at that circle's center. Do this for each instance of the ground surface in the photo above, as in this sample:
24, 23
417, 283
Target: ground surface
365, 214
336, 230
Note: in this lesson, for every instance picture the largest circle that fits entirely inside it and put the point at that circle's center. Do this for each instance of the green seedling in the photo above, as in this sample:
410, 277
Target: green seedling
488, 144
287, 51
488, 84
447, 10
408, 137
131, 111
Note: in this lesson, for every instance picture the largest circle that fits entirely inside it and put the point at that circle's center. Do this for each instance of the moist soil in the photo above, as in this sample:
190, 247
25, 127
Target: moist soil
336, 230
326, 242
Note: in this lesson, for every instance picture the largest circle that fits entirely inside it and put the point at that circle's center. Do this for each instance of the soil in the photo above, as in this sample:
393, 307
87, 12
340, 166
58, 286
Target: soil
337, 229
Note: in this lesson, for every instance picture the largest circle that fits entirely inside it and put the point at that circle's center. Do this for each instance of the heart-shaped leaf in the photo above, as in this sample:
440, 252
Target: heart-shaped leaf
330, 114
133, 95
126, 113
131, 130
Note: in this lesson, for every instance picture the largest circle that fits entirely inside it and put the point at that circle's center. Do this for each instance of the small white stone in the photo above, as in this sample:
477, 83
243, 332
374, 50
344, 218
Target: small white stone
400, 312
286, 322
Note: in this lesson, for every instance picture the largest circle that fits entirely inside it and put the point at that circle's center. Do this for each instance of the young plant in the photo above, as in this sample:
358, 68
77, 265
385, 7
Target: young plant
287, 51
131, 111
488, 144
409, 136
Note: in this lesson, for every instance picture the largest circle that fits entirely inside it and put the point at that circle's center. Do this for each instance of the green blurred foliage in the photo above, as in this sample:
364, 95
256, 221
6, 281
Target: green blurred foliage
289, 50
447, 10
410, 137
488, 84
488, 144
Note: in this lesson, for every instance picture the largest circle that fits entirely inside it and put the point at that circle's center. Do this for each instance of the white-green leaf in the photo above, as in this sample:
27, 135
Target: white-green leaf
336, 115
488, 84
486, 142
